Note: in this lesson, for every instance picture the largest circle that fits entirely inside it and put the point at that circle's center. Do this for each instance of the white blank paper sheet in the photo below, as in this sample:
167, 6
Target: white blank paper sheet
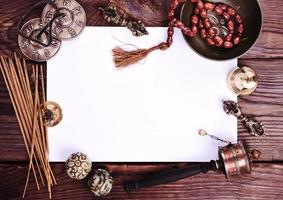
150, 112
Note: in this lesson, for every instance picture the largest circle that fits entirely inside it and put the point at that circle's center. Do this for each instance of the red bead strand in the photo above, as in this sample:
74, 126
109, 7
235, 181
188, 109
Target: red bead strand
200, 23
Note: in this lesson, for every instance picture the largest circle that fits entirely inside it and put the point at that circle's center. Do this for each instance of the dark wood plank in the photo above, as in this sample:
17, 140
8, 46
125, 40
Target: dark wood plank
266, 105
265, 182
153, 13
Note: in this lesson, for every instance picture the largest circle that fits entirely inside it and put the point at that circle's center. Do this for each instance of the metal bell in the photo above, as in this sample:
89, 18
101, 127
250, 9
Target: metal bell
242, 81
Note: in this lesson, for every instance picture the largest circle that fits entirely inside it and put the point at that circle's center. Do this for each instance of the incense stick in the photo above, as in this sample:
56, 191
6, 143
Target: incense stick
27, 108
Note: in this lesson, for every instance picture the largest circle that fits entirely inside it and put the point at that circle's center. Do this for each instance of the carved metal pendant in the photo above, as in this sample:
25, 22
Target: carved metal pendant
32, 49
72, 21
254, 127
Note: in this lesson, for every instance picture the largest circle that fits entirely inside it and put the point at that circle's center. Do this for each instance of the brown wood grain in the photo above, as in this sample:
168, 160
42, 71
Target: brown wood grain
266, 104
265, 182
153, 13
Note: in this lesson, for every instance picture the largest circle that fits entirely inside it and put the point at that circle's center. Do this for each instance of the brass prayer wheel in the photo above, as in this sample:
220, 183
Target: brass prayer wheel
235, 159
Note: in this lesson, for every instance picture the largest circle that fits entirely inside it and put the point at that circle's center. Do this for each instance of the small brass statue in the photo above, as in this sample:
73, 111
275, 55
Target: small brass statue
112, 13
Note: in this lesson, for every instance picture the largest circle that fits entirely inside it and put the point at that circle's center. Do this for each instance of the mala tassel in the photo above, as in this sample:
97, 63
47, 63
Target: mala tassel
123, 58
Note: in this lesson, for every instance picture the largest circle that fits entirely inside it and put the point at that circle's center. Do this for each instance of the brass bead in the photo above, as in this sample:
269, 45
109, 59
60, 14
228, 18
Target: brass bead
100, 182
242, 81
78, 166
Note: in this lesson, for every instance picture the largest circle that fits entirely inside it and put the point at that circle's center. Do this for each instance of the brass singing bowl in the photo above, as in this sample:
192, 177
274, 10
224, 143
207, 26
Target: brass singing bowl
249, 10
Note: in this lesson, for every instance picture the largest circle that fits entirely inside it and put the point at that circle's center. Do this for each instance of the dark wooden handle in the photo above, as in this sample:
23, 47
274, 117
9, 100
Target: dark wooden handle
171, 176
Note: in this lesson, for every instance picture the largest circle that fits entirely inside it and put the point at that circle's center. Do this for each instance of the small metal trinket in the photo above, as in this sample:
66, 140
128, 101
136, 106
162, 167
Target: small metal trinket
51, 113
254, 127
100, 182
112, 13
242, 81
78, 166
33, 49
68, 25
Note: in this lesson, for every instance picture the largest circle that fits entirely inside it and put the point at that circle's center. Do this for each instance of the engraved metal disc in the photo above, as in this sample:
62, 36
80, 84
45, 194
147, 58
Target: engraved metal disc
70, 24
34, 50
52, 113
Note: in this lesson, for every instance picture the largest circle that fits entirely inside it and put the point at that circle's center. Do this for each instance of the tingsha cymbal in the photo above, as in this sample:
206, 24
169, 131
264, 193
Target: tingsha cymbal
51, 113
68, 25
32, 49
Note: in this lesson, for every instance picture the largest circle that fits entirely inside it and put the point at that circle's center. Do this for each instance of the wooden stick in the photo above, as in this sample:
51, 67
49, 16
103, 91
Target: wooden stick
35, 116
21, 125
27, 108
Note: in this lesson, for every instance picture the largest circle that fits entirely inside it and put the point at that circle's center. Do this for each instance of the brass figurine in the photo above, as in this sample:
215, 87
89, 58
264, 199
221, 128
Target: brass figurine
112, 13
254, 127
242, 81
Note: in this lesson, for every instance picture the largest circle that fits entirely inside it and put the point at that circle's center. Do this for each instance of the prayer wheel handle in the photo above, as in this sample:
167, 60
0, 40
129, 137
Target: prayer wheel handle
172, 176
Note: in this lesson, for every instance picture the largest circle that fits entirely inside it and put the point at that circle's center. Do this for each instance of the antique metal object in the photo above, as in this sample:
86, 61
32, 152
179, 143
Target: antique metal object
234, 160
70, 23
112, 13
225, 23
254, 127
242, 80
78, 166
39, 48
100, 182
51, 113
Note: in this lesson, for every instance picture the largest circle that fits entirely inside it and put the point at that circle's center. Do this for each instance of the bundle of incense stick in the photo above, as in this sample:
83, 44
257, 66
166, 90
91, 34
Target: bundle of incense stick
25, 84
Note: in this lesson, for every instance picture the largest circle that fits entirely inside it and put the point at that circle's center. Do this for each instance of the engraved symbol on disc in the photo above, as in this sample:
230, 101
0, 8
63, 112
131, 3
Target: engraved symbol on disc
70, 24
34, 50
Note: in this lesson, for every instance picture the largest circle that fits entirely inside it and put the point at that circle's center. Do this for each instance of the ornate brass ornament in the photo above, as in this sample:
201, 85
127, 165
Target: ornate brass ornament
254, 127
32, 49
242, 81
112, 13
52, 113
68, 25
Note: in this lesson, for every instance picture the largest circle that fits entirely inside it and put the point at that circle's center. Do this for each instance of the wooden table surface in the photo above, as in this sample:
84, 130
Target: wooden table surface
266, 104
